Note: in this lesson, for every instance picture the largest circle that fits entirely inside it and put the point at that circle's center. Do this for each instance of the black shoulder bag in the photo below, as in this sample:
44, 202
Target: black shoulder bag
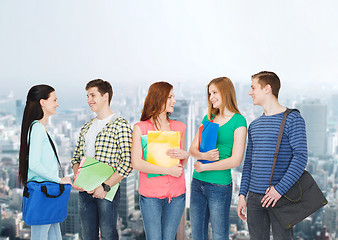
302, 199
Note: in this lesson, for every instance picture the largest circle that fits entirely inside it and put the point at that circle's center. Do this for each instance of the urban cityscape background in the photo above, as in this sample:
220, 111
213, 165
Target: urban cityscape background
321, 116
187, 43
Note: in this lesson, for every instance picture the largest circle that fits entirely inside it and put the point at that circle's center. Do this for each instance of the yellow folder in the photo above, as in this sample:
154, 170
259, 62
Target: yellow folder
158, 143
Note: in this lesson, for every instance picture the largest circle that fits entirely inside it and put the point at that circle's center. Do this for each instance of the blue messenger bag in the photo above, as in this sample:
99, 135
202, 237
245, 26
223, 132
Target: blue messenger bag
45, 202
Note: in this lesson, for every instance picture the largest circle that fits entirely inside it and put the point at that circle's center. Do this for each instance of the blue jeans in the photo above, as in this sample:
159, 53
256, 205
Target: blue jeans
260, 219
161, 218
98, 214
47, 231
210, 201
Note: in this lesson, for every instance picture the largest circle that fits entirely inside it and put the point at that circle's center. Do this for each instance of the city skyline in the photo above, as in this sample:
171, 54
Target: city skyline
132, 44
65, 125
123, 91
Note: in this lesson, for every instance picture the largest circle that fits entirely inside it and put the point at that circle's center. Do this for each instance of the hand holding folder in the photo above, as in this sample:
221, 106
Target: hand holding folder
92, 173
154, 149
144, 147
158, 143
208, 138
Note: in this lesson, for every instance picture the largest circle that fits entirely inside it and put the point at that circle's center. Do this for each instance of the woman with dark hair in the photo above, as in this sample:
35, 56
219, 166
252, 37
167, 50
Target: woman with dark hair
211, 187
162, 198
38, 161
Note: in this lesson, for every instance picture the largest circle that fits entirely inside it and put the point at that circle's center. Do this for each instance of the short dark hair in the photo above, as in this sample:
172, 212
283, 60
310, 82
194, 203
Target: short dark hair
271, 78
102, 86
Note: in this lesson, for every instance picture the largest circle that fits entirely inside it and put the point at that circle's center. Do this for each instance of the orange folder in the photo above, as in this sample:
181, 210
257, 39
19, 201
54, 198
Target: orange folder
158, 143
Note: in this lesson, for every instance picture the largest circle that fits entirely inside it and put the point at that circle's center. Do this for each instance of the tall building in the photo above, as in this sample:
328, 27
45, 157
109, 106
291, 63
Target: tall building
330, 217
196, 112
315, 115
334, 103
72, 222
332, 142
182, 113
185, 111
127, 200
19, 111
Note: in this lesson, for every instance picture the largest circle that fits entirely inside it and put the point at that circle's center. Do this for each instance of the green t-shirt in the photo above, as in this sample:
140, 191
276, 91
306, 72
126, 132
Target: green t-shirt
225, 142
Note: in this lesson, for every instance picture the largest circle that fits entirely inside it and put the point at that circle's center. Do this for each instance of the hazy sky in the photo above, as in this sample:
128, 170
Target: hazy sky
66, 43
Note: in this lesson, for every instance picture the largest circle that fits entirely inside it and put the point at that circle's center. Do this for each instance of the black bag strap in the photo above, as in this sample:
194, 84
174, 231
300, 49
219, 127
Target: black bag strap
56, 154
51, 142
279, 140
44, 190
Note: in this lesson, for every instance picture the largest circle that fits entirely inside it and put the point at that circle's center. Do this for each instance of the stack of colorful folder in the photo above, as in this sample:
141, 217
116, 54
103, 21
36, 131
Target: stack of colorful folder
155, 146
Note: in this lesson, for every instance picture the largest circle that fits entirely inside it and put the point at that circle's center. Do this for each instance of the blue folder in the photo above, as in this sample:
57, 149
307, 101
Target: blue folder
208, 138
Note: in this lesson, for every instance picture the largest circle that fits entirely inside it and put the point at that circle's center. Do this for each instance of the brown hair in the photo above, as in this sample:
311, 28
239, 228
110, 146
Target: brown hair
102, 86
271, 78
156, 98
32, 112
228, 94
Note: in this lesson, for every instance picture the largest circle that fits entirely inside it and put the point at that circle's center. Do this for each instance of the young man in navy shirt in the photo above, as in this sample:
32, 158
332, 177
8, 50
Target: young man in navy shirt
255, 196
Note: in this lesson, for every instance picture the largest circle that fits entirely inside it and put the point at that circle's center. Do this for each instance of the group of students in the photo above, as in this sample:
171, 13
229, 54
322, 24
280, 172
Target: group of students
110, 139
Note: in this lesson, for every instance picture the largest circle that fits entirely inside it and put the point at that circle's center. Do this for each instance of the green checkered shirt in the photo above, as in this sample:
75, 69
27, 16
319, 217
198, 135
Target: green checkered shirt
112, 145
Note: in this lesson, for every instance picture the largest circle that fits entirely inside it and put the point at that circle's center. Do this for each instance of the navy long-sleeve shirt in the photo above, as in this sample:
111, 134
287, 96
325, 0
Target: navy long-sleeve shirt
292, 157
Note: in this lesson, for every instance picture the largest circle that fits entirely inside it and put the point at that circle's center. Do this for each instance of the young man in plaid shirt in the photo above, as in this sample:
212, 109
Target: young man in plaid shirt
107, 138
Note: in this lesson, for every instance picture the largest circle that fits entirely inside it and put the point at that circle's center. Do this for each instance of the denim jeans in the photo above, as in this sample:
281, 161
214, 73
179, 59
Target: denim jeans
47, 231
210, 202
260, 219
161, 218
98, 214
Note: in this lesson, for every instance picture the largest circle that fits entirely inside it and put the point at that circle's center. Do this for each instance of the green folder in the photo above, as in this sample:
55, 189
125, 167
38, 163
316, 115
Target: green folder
144, 147
92, 173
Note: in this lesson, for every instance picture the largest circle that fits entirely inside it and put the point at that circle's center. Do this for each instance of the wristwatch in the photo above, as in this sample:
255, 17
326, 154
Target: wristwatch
106, 187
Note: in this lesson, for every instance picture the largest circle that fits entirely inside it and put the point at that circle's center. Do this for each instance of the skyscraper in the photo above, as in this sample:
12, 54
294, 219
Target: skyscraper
72, 222
334, 103
315, 115
127, 200
182, 113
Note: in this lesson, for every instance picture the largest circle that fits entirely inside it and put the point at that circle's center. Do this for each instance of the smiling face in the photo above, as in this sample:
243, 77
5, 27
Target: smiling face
170, 102
95, 100
215, 96
49, 105
257, 92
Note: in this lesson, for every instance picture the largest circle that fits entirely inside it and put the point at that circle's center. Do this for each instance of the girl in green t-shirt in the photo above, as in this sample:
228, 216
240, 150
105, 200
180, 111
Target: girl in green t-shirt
211, 187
